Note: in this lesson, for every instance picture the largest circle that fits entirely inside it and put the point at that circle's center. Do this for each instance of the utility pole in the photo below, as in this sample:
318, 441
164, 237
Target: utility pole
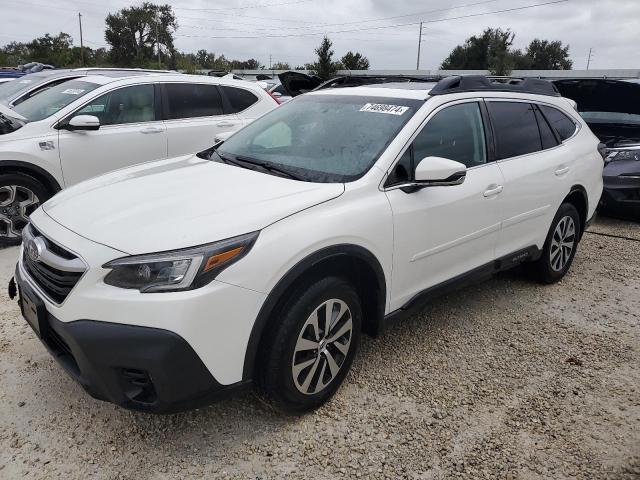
269, 61
419, 45
81, 42
157, 41
589, 59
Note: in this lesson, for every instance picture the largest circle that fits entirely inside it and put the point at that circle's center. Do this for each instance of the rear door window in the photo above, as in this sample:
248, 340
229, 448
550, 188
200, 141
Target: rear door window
190, 100
515, 127
238, 99
560, 122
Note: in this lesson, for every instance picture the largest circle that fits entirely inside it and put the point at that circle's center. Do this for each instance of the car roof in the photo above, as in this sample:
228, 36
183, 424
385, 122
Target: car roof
167, 77
420, 91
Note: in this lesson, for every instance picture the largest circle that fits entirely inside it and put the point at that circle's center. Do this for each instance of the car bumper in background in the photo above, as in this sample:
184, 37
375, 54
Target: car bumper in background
622, 192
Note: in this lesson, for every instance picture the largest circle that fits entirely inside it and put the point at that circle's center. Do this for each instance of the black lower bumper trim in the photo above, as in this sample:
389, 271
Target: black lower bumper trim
138, 368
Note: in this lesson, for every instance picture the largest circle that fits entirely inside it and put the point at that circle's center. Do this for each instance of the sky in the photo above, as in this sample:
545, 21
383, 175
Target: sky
385, 31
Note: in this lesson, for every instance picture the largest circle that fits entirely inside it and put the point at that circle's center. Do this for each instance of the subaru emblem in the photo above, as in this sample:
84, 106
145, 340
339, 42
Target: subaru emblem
35, 247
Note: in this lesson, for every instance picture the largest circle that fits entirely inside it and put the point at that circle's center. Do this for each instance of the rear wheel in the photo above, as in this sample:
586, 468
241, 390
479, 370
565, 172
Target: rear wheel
560, 246
310, 349
20, 196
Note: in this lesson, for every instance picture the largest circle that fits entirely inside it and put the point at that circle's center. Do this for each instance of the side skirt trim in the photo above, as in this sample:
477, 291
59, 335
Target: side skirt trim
476, 275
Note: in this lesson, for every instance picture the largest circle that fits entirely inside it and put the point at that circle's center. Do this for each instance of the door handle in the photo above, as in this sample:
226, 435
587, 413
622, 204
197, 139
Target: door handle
149, 130
561, 171
493, 190
225, 123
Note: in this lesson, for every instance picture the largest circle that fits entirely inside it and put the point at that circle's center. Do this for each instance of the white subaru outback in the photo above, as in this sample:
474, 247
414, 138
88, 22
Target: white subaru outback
263, 259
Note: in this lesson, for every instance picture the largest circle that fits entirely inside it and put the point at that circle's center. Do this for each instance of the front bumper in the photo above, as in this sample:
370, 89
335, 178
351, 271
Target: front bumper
622, 185
136, 367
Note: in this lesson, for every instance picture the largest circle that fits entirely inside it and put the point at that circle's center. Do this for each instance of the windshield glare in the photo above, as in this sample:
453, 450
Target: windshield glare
54, 99
323, 138
10, 88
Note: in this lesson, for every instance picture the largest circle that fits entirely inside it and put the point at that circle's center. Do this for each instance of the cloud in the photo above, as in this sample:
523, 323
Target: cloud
610, 27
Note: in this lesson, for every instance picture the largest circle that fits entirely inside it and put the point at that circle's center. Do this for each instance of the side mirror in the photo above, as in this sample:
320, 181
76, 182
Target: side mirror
438, 171
83, 122
276, 94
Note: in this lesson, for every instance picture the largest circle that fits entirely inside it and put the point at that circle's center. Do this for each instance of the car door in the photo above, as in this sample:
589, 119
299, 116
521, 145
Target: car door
194, 115
443, 232
130, 133
536, 170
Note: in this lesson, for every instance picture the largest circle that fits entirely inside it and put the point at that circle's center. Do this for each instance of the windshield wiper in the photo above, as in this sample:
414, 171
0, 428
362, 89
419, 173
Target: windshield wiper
270, 167
244, 162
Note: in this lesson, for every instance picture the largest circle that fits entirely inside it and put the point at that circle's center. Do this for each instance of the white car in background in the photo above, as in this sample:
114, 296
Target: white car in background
27, 86
89, 126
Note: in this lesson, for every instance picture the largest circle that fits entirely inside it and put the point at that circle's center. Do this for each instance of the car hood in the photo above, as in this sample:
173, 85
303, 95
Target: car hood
297, 83
599, 95
179, 203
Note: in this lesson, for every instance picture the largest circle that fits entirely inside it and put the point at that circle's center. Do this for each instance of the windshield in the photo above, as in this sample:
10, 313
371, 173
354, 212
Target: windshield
323, 138
54, 99
611, 117
10, 88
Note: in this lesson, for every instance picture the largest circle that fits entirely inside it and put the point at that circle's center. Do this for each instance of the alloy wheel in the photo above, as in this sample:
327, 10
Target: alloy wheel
322, 346
16, 204
562, 243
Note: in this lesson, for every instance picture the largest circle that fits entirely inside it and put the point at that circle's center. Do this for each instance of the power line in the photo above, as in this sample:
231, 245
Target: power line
258, 5
379, 27
415, 14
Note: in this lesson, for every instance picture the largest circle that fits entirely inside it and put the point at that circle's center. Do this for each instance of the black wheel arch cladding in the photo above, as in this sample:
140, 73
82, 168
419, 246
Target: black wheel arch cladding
357, 263
47, 180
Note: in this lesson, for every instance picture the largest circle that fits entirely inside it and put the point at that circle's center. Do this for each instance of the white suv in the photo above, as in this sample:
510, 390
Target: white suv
262, 259
91, 125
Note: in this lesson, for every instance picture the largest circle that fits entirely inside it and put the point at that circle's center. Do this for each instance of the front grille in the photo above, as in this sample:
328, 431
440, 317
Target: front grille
54, 282
52, 247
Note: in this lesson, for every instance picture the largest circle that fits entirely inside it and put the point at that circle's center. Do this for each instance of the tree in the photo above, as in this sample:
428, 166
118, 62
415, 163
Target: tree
545, 55
324, 67
280, 66
354, 61
132, 34
499, 57
490, 51
51, 49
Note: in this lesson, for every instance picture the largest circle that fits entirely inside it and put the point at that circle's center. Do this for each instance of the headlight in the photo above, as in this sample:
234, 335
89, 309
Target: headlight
180, 269
618, 155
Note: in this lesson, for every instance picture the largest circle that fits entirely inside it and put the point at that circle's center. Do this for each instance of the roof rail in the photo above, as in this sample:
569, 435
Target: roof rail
475, 83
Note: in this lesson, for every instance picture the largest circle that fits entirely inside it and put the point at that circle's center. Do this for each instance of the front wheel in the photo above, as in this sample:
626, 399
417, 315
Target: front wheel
20, 196
311, 346
560, 246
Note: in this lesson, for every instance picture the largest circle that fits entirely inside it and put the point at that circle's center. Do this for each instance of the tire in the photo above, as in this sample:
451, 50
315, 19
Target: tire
20, 195
293, 377
555, 261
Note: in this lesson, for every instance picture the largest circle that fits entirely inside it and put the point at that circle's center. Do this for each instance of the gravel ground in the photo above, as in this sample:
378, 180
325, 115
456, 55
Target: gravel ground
508, 379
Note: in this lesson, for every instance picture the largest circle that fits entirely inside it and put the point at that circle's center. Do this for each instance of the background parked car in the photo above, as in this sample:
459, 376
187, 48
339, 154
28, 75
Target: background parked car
88, 126
297, 83
611, 108
276, 90
29, 85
